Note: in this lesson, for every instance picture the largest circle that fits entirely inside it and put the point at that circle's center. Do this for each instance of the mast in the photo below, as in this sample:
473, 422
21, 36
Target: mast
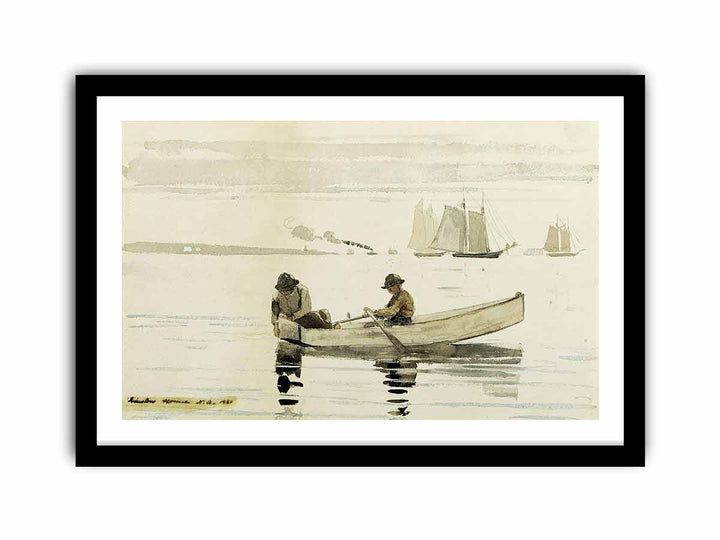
565, 243
557, 230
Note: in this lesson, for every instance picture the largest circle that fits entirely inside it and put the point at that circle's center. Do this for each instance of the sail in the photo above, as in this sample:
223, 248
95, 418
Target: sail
565, 239
450, 235
551, 244
420, 236
478, 233
431, 226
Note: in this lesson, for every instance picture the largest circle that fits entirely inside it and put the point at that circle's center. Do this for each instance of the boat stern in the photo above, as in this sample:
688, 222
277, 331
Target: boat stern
289, 331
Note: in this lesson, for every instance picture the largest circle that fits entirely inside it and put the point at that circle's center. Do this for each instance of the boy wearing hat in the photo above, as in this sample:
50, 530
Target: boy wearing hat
401, 307
291, 300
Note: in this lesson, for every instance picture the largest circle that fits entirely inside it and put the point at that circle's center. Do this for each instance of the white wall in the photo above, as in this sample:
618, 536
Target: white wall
44, 45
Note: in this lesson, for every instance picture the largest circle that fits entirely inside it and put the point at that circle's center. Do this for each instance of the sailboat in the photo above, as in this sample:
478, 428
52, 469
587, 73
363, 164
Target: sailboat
424, 227
559, 242
464, 233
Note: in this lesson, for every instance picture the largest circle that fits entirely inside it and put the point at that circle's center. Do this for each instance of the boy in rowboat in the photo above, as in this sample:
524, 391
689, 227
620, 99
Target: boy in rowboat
401, 307
291, 301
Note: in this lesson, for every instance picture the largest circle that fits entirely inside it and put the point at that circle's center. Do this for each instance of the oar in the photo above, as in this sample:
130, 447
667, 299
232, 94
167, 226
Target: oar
399, 347
353, 318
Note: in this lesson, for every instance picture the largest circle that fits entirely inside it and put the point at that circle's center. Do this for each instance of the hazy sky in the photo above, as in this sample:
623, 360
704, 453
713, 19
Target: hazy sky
330, 156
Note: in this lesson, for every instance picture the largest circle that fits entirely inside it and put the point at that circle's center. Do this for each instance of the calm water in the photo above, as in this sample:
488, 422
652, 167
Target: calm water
198, 327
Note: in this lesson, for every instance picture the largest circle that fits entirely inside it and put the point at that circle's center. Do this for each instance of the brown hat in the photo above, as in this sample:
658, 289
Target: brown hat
391, 280
286, 282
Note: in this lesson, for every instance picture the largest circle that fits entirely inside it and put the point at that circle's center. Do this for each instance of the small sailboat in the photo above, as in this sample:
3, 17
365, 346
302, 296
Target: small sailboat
392, 251
559, 242
464, 233
425, 226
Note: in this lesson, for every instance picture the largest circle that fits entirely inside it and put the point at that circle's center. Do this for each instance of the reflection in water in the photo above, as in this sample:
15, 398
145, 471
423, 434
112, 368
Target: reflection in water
466, 360
478, 353
400, 375
288, 363
481, 353
471, 360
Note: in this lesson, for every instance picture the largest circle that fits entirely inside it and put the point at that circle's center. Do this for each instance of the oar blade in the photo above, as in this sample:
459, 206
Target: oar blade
399, 347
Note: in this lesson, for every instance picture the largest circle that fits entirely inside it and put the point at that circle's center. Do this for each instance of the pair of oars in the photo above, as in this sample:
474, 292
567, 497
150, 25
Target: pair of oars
399, 347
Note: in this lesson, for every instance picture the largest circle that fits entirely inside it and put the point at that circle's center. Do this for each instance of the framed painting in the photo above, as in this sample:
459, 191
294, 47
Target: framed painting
321, 270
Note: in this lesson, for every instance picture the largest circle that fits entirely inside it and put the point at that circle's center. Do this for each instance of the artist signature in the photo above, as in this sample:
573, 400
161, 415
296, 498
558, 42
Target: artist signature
180, 401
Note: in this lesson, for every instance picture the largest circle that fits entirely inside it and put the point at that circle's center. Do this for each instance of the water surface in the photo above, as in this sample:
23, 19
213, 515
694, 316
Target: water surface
198, 327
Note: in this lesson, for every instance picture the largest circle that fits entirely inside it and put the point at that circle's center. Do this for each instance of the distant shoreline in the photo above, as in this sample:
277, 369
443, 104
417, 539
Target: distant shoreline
214, 249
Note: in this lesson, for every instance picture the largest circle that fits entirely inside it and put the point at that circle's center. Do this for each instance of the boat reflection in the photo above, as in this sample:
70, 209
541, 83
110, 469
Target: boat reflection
288, 367
480, 353
492, 365
400, 376
481, 361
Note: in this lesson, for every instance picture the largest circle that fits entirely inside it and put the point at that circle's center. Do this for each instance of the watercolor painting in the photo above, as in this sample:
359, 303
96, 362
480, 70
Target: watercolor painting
360, 270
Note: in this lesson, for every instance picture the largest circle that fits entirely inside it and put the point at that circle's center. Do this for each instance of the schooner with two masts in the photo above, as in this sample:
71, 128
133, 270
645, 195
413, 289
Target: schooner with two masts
559, 242
464, 233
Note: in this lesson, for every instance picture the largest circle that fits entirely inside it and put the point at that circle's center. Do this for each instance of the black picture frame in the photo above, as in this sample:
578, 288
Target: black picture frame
89, 87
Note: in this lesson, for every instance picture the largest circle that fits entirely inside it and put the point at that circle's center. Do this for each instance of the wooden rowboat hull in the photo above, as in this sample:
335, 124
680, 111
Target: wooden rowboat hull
442, 327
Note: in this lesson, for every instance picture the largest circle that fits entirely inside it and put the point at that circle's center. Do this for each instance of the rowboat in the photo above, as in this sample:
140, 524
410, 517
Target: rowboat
430, 329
